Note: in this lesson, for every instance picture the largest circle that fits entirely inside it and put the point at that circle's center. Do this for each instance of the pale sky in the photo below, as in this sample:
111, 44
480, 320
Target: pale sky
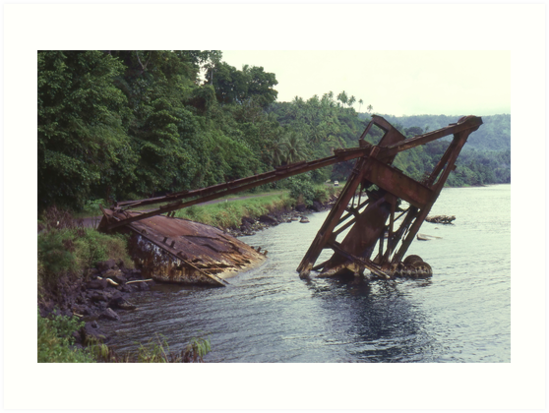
393, 82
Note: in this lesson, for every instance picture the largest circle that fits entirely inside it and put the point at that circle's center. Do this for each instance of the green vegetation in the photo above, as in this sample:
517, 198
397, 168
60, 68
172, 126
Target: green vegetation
91, 208
115, 125
66, 251
77, 249
302, 189
70, 251
229, 213
485, 159
157, 350
494, 134
56, 345
55, 341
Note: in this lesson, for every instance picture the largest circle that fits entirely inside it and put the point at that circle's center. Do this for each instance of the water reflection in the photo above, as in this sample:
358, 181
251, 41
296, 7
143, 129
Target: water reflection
377, 317
268, 314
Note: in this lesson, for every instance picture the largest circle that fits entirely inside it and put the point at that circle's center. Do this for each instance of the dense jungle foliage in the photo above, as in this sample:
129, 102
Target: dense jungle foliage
131, 124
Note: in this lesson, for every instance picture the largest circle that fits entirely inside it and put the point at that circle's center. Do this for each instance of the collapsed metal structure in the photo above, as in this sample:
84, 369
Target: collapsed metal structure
369, 214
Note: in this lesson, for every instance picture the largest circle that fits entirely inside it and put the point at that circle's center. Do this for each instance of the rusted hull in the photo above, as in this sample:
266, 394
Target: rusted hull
182, 251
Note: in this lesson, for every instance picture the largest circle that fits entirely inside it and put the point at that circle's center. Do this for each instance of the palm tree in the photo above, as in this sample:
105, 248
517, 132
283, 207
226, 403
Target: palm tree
342, 97
295, 147
352, 100
276, 152
318, 132
360, 102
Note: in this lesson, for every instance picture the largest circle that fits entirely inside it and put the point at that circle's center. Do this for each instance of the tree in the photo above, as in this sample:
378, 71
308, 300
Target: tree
82, 127
260, 85
295, 148
235, 86
342, 97
352, 101
413, 131
229, 83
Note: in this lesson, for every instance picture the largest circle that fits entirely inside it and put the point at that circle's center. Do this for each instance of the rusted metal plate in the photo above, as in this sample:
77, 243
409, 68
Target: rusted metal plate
395, 182
198, 253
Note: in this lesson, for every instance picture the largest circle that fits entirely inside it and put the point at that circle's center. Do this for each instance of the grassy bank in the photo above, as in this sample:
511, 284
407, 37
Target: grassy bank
229, 213
66, 253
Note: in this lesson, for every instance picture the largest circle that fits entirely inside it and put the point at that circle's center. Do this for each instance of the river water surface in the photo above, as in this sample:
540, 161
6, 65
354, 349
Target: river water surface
461, 314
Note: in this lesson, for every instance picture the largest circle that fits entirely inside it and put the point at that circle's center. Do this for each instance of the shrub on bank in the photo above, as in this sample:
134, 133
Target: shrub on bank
71, 251
55, 340
302, 188
324, 193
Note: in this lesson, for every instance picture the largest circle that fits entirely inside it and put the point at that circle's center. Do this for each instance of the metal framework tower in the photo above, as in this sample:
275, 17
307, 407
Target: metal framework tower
372, 219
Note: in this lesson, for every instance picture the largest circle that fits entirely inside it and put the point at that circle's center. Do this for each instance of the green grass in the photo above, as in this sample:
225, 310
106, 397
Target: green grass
91, 209
227, 198
71, 250
227, 213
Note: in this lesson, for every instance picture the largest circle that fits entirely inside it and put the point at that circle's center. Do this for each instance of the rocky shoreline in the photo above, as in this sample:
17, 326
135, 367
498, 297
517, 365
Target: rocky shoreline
102, 294
105, 292
250, 225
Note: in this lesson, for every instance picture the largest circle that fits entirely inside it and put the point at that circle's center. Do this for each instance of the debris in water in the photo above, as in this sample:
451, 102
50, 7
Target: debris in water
441, 219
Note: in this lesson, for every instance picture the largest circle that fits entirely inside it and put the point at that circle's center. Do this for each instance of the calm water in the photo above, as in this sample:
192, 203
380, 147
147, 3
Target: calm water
461, 314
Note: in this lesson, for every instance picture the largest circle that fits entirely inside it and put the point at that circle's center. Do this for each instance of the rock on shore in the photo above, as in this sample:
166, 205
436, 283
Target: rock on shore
101, 295
250, 226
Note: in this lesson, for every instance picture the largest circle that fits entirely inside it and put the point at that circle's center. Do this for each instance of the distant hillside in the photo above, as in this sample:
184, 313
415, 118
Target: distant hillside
493, 135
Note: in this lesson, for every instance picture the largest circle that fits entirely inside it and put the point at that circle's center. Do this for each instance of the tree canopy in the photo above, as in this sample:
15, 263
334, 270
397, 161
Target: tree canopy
131, 124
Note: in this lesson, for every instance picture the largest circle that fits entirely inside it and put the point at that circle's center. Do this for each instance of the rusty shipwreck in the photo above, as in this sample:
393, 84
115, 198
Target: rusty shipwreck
378, 232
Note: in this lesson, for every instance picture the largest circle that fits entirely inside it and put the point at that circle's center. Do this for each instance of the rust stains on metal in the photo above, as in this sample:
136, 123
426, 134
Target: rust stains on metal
200, 253
383, 186
175, 201
184, 251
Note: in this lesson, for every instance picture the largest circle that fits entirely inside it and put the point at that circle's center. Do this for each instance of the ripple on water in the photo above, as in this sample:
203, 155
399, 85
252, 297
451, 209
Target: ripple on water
268, 314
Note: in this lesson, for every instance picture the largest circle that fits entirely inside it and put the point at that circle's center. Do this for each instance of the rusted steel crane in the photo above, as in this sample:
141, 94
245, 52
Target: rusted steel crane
370, 218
